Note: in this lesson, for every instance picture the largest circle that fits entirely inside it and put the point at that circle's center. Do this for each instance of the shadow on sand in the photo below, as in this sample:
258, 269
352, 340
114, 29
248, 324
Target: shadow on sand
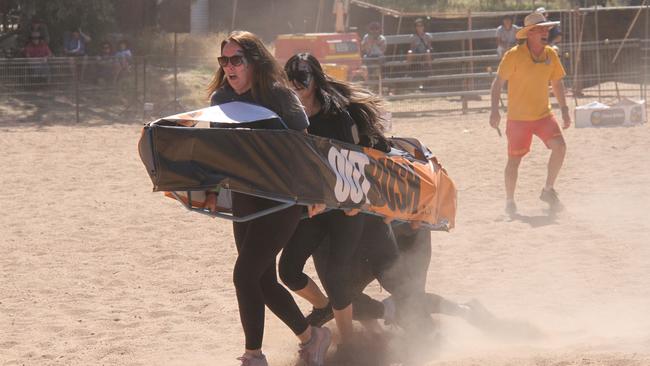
549, 218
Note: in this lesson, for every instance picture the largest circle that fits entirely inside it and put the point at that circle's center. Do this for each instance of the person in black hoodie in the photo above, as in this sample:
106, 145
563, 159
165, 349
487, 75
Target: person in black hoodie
341, 111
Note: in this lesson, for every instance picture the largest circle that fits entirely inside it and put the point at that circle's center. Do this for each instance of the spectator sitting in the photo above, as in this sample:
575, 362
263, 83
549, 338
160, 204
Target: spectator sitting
75, 45
124, 58
38, 51
107, 65
420, 42
373, 43
37, 47
506, 35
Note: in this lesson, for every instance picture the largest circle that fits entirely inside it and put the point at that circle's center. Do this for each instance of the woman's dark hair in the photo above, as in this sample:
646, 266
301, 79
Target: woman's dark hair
267, 73
335, 96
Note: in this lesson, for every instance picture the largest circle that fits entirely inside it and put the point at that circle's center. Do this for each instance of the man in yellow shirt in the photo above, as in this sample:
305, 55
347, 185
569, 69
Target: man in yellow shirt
529, 68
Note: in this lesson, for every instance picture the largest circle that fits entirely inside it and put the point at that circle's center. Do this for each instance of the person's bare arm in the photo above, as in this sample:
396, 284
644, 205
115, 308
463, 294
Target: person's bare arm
558, 91
210, 202
499, 43
365, 45
495, 96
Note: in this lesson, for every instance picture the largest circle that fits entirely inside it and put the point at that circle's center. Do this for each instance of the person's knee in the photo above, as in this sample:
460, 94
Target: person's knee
513, 162
242, 278
292, 276
246, 274
338, 290
557, 145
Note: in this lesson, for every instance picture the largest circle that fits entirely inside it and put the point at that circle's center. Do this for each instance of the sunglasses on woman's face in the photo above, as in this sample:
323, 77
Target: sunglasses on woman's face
300, 78
235, 60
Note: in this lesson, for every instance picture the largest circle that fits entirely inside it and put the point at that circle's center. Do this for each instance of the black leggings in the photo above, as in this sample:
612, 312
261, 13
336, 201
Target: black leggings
258, 243
376, 253
399, 264
344, 233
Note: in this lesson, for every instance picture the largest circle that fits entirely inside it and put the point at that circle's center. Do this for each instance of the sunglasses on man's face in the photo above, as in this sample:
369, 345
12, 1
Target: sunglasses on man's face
235, 60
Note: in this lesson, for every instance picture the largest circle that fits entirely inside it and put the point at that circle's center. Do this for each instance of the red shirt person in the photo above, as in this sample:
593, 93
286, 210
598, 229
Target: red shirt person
37, 47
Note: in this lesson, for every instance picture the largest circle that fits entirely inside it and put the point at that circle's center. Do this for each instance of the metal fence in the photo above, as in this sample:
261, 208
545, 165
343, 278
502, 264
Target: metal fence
65, 89
452, 81
91, 89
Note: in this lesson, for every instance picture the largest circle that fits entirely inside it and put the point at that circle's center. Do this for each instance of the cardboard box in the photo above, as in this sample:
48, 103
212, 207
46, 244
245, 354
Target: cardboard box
624, 113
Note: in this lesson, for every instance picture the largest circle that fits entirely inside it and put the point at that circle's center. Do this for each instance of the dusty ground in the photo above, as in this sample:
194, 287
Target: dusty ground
97, 270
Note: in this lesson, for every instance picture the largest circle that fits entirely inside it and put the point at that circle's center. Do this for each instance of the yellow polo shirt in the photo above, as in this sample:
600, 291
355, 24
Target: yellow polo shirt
528, 81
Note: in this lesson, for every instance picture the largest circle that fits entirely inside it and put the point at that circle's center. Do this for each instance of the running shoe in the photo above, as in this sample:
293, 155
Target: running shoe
551, 197
390, 310
511, 208
313, 352
250, 360
318, 317
477, 315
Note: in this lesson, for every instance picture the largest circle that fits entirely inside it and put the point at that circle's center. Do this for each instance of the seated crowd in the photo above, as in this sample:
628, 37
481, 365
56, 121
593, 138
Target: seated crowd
108, 66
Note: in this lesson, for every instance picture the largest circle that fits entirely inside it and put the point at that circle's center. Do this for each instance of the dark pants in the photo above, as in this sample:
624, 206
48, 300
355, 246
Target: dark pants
344, 233
375, 254
258, 243
399, 260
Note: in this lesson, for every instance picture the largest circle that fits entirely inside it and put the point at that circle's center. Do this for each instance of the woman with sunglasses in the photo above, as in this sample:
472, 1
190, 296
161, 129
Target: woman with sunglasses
249, 73
332, 107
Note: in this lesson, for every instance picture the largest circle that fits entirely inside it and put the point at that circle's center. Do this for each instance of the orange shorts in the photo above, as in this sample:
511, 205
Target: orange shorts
520, 133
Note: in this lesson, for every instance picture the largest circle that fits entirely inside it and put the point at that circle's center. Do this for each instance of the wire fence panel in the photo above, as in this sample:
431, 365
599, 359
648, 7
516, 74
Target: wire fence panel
67, 90
450, 81
64, 89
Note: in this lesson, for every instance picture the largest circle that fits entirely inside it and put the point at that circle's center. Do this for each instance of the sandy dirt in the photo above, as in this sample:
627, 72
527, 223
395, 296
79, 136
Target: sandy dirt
97, 270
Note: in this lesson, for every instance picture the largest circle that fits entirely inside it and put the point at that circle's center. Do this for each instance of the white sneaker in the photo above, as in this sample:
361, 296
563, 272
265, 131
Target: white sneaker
313, 352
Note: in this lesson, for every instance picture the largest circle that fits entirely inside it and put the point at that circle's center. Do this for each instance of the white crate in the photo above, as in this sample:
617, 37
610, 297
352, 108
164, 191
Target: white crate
624, 113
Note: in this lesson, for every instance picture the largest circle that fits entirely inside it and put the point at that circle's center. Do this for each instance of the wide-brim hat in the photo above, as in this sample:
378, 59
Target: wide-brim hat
533, 20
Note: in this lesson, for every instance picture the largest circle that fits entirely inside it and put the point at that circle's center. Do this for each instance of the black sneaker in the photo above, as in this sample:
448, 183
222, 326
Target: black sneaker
551, 197
318, 317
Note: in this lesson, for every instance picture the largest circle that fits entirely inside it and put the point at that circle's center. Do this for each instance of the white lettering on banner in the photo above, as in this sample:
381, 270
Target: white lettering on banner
349, 167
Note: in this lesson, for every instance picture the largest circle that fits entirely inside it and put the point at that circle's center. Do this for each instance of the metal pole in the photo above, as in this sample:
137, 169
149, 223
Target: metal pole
570, 40
175, 73
234, 14
576, 78
641, 47
399, 27
321, 6
471, 46
629, 29
469, 84
144, 87
646, 44
135, 77
76, 89
597, 51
